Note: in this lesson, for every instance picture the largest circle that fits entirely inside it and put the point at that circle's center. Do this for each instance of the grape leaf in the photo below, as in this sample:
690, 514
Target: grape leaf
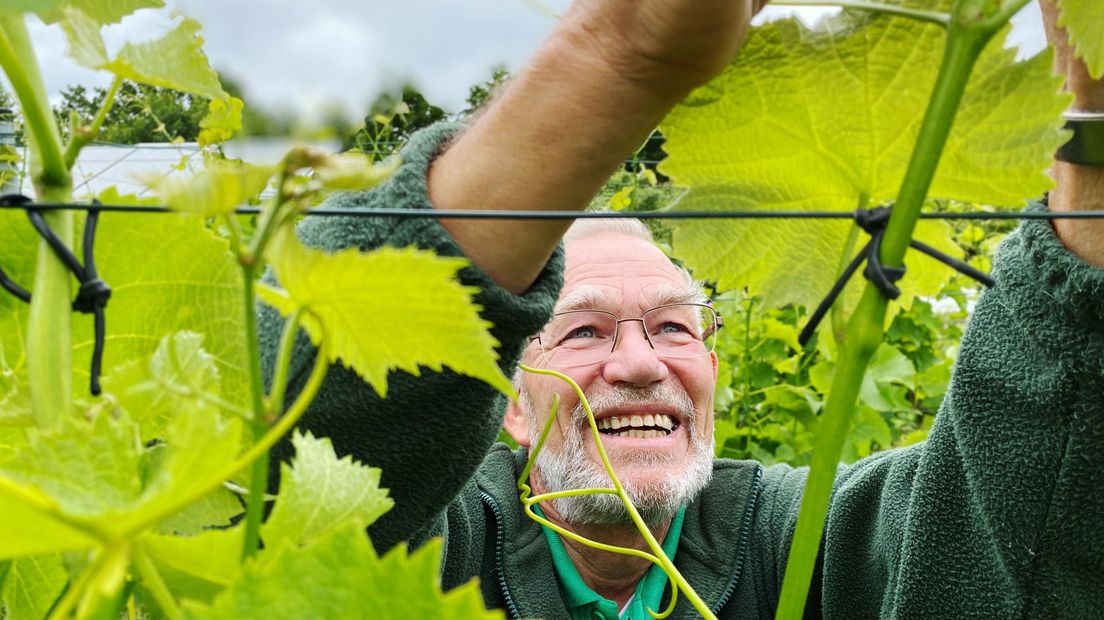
319, 492
819, 119
99, 474
220, 188
103, 12
22, 6
1084, 22
216, 509
887, 366
340, 576
353, 171
152, 391
168, 274
223, 120
200, 566
387, 309
32, 585
174, 61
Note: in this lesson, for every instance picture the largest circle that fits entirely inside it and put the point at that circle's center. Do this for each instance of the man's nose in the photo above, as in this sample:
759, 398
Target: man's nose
633, 359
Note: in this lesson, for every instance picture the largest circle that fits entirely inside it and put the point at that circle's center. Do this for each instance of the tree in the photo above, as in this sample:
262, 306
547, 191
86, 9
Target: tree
141, 113
391, 121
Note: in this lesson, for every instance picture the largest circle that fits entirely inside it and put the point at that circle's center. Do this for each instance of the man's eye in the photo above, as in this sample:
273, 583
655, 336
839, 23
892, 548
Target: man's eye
673, 328
582, 332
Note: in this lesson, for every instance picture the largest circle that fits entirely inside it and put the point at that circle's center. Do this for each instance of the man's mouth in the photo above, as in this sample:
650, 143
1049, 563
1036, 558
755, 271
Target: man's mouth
646, 426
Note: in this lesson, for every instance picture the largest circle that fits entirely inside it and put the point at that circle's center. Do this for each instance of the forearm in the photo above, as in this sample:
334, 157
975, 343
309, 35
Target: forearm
1079, 188
547, 143
592, 94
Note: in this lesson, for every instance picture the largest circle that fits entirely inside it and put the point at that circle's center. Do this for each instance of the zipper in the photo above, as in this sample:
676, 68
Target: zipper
500, 555
745, 535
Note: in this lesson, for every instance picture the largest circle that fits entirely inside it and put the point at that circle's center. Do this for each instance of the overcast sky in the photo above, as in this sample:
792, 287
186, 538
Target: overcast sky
303, 55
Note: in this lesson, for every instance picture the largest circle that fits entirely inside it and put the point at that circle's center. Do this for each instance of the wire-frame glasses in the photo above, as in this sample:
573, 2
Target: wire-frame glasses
579, 337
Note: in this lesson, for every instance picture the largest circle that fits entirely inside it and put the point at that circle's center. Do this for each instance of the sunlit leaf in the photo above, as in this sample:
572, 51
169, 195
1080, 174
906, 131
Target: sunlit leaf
388, 309
814, 120
169, 274
220, 188
353, 171
319, 492
174, 61
223, 120
340, 576
103, 12
152, 391
198, 566
32, 585
1084, 21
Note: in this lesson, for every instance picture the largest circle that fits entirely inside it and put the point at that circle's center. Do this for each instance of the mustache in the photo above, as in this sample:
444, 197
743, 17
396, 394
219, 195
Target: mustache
663, 393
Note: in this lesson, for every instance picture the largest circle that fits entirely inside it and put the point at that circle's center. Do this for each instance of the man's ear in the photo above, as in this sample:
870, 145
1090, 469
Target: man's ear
516, 424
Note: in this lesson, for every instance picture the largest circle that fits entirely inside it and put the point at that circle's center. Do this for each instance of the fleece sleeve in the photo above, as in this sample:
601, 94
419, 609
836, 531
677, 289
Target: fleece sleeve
433, 430
998, 514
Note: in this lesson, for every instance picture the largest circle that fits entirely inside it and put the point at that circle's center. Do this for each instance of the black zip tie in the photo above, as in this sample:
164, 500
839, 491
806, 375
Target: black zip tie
93, 294
884, 278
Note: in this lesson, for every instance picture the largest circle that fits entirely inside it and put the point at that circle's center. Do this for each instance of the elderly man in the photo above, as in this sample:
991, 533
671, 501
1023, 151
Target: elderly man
996, 515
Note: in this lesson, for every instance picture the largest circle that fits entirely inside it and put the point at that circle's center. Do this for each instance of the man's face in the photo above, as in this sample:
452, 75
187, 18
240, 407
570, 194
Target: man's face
635, 386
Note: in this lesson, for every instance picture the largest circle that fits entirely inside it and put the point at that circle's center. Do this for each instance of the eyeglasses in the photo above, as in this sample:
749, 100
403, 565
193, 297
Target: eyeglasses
579, 337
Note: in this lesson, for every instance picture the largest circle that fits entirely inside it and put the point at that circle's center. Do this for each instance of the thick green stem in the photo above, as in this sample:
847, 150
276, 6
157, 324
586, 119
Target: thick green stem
864, 330
49, 345
934, 17
258, 482
838, 320
19, 62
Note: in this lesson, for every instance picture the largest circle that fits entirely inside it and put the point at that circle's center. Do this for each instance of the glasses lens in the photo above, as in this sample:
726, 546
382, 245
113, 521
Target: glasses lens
682, 330
579, 337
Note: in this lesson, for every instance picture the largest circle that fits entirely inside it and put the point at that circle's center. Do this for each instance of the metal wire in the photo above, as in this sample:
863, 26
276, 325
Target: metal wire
575, 215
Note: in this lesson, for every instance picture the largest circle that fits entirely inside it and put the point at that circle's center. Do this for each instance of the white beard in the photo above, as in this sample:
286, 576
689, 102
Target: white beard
570, 468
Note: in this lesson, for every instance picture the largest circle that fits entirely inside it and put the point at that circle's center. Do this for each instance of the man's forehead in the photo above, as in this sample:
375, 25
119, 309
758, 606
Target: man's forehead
608, 271
611, 298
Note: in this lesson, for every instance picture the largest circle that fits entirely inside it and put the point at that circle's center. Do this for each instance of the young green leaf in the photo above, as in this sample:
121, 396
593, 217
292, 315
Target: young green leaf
825, 119
220, 188
353, 171
174, 61
32, 585
223, 120
152, 391
199, 566
386, 309
1084, 21
103, 13
319, 492
340, 576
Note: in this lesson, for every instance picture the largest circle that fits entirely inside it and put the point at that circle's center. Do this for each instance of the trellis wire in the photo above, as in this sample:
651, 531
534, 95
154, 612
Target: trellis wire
574, 215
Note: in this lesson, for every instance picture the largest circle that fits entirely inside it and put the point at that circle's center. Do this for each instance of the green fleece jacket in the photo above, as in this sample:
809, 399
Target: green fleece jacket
999, 514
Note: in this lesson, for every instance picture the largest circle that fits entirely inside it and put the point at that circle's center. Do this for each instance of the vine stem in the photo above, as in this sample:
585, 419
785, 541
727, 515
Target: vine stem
258, 481
965, 42
49, 338
645, 532
932, 17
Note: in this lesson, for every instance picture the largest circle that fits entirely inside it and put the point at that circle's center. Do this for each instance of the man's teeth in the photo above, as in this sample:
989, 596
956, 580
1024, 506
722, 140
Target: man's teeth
646, 426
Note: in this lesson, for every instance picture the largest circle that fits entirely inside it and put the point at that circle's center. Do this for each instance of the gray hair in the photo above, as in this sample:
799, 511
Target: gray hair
583, 228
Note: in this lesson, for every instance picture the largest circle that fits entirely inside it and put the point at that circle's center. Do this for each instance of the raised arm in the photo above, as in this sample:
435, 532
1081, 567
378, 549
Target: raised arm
611, 70
1080, 188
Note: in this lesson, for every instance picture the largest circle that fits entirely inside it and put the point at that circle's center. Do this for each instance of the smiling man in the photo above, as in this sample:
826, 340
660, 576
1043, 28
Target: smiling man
996, 515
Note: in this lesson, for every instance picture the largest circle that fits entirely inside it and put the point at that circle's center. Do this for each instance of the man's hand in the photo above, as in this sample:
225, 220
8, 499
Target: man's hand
610, 71
667, 44
1080, 188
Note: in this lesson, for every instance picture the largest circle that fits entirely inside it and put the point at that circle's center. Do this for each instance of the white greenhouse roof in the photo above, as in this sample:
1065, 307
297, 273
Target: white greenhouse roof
124, 167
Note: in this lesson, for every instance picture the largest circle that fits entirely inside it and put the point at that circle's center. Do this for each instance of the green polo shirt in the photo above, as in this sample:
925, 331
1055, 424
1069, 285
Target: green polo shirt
585, 604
